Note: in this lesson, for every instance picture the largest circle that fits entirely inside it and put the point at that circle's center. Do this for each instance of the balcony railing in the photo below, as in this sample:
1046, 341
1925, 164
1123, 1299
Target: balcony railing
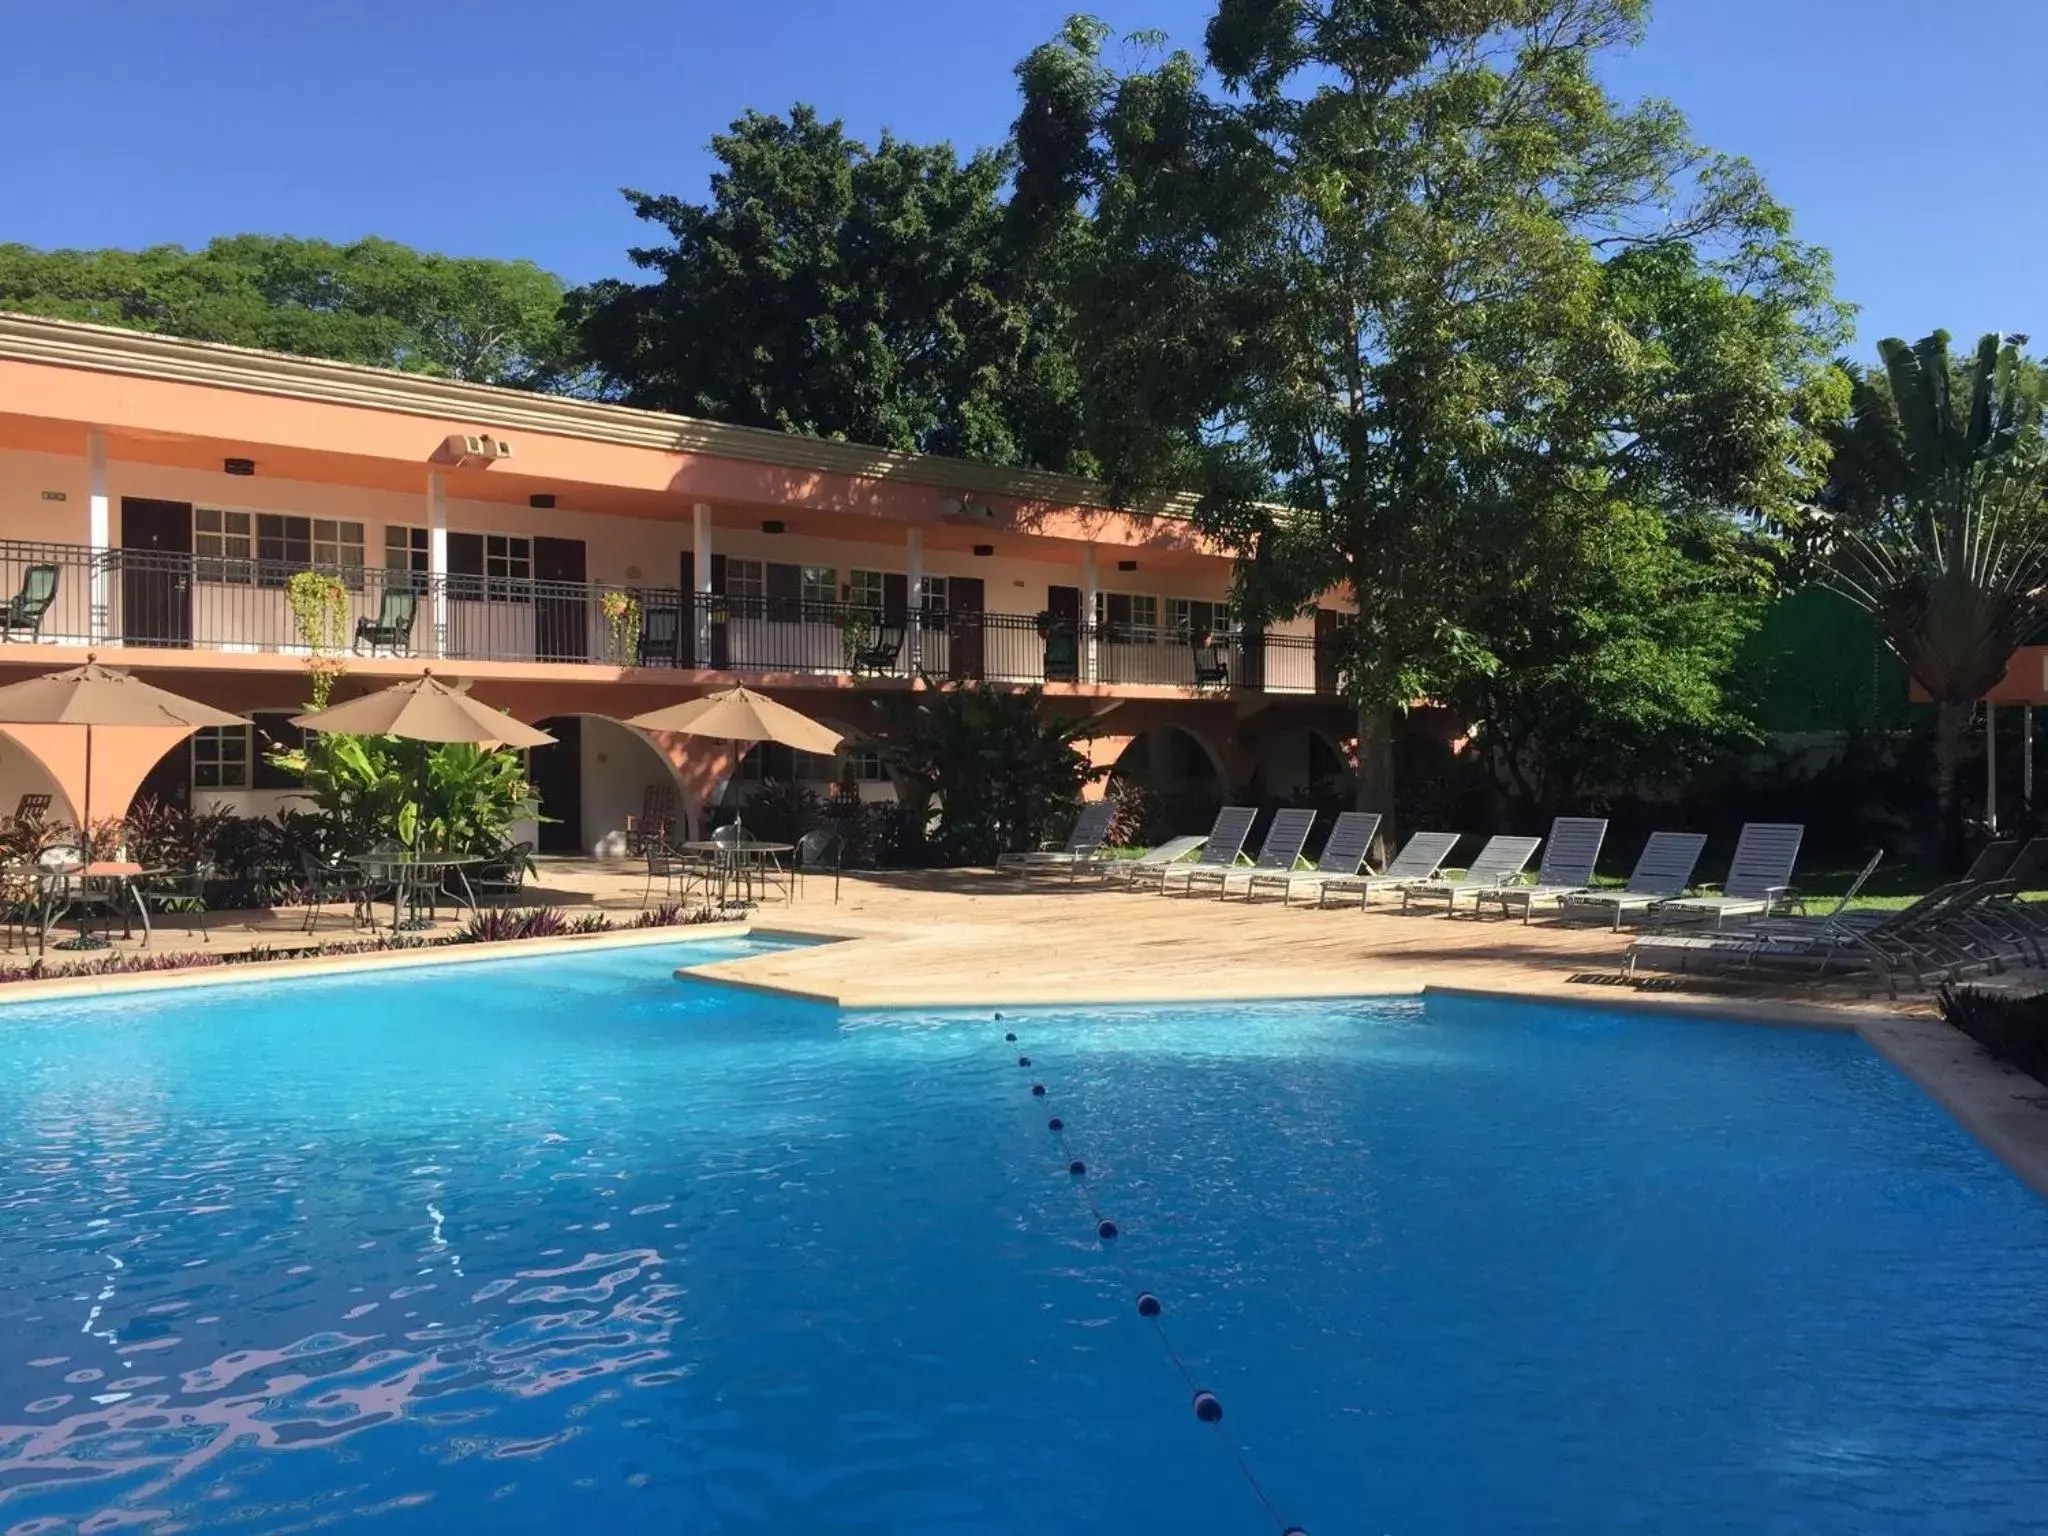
178, 601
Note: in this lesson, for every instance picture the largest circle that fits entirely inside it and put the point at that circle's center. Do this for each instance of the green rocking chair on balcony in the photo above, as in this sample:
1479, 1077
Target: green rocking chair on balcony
392, 628
25, 610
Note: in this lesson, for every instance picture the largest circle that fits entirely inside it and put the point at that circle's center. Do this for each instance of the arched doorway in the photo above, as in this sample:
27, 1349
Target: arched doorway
596, 775
1303, 765
1173, 778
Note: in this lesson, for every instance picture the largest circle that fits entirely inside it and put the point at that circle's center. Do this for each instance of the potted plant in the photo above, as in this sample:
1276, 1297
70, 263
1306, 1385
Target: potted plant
621, 611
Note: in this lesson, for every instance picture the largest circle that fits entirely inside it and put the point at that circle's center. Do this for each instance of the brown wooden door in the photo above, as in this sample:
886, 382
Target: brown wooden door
156, 572
964, 599
561, 604
557, 775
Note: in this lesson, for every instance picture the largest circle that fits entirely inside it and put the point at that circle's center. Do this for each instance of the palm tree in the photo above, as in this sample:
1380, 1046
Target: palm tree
1938, 524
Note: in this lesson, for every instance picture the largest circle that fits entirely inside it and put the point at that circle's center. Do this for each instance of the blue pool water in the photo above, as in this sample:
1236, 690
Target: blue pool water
569, 1246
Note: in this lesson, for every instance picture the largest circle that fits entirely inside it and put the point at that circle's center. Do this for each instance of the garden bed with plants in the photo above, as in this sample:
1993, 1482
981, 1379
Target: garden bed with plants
494, 926
2013, 1028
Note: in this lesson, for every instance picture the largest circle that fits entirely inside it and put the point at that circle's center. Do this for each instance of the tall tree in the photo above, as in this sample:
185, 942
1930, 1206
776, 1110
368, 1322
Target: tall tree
1935, 519
371, 301
1386, 280
844, 291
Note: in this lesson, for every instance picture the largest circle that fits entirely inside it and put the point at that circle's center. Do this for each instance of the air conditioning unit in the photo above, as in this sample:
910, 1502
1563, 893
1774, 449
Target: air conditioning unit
466, 450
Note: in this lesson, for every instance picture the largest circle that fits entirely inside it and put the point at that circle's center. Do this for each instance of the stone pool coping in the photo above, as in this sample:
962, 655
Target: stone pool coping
252, 972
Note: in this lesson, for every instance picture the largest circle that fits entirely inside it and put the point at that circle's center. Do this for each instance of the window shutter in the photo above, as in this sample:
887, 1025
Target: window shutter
465, 554
785, 590
895, 598
718, 574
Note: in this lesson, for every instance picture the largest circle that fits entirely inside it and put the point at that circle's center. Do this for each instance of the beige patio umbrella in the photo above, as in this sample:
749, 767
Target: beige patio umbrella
740, 715
57, 717
425, 709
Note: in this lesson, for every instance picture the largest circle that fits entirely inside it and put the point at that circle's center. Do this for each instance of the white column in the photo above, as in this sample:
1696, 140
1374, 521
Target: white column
700, 540
1990, 766
99, 534
1091, 584
913, 580
2027, 761
437, 557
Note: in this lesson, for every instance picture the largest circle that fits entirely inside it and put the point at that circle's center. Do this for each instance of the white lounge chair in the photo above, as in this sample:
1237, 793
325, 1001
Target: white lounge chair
1342, 857
1147, 864
1219, 851
1569, 858
1759, 879
1419, 859
1083, 846
1663, 870
1500, 862
1284, 840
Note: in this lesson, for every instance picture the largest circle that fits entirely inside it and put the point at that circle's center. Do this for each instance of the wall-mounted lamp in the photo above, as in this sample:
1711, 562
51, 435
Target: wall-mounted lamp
541, 499
984, 550
239, 466
772, 525
1127, 565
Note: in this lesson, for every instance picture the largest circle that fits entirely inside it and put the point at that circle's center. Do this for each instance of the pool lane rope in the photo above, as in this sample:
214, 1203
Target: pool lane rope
1208, 1408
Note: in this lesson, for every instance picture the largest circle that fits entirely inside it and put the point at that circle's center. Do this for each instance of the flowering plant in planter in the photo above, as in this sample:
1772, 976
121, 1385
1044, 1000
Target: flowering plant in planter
621, 612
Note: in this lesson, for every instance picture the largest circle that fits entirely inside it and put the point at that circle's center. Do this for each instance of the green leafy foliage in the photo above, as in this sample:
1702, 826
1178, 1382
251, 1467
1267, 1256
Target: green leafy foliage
1003, 773
448, 798
1412, 292
1935, 520
371, 301
846, 291
1610, 637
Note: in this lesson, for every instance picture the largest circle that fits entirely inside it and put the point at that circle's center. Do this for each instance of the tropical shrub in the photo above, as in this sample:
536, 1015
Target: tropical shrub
451, 798
1003, 772
2012, 1028
781, 811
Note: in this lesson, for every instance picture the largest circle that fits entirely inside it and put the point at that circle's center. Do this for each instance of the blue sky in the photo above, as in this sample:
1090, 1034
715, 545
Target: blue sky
1905, 135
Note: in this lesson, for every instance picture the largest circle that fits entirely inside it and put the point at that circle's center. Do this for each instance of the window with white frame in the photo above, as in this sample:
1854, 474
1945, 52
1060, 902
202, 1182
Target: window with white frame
864, 589
220, 757
831, 768
746, 581
408, 550
1127, 618
508, 564
1190, 618
223, 545
820, 587
286, 545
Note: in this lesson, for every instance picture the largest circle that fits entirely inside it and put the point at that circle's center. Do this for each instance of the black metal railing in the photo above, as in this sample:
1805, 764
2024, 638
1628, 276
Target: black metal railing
70, 594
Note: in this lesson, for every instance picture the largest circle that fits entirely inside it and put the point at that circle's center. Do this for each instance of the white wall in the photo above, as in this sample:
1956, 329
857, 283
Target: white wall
618, 765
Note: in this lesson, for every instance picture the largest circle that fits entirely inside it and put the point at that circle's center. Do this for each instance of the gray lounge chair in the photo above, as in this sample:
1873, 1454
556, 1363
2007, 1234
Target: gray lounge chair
1219, 851
1283, 845
1500, 862
1569, 859
1942, 936
1663, 871
1838, 913
1342, 857
1759, 882
1419, 859
1084, 844
1146, 865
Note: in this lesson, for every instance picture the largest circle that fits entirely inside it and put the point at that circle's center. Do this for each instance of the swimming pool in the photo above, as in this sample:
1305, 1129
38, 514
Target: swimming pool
565, 1245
